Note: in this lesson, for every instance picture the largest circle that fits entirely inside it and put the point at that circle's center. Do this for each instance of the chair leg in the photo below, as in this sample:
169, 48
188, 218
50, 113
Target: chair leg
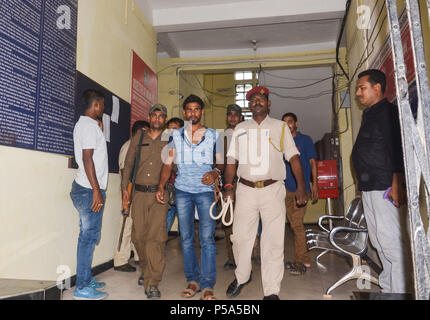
320, 255
349, 276
355, 273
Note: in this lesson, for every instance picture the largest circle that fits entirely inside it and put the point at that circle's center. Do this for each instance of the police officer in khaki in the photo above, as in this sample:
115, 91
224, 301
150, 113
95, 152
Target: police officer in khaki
149, 233
256, 155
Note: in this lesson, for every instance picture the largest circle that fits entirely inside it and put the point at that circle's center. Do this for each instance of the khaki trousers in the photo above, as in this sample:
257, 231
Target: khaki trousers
149, 235
295, 216
122, 256
228, 231
251, 204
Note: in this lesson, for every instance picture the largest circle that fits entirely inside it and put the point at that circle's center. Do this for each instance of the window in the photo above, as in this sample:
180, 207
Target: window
241, 90
245, 81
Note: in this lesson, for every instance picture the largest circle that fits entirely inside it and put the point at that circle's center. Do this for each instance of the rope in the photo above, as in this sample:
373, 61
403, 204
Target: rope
225, 206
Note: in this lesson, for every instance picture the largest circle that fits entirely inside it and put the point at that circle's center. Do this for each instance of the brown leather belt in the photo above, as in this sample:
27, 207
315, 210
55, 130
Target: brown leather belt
257, 184
142, 188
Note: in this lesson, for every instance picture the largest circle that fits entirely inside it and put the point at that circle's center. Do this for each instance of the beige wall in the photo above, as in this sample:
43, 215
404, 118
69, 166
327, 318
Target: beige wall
356, 44
220, 90
39, 225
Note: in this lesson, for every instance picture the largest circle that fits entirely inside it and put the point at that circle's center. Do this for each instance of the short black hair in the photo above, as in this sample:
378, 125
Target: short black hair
176, 120
140, 124
193, 98
289, 114
90, 96
375, 76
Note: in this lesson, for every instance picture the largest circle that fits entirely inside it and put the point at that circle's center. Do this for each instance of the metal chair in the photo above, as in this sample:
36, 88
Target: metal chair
349, 239
353, 214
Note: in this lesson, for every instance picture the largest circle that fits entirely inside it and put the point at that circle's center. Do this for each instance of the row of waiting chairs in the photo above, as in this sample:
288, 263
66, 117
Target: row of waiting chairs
348, 237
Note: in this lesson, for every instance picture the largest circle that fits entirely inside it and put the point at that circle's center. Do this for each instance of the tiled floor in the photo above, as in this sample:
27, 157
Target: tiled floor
311, 286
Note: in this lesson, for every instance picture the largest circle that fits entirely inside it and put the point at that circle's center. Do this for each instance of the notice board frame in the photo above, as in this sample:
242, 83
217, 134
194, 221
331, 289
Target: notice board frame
119, 132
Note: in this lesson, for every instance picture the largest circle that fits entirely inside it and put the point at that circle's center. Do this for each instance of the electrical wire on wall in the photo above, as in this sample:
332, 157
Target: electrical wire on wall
263, 74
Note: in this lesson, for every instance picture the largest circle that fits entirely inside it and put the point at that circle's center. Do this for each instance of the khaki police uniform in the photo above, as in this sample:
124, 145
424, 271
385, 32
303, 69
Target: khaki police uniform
260, 154
122, 255
228, 230
149, 230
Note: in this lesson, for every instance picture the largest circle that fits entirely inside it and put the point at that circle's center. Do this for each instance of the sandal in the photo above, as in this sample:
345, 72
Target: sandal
208, 294
289, 265
191, 290
297, 269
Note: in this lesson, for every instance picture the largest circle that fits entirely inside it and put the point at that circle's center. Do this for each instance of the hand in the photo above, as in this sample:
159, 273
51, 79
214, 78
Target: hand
301, 197
100, 124
125, 200
315, 194
97, 201
210, 177
159, 196
229, 192
398, 194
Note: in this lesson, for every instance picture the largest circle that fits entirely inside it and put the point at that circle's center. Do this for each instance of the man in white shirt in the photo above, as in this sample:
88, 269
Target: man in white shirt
88, 191
256, 155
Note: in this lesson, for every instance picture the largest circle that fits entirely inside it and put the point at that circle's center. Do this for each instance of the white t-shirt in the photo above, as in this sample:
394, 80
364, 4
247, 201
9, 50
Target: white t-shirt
88, 135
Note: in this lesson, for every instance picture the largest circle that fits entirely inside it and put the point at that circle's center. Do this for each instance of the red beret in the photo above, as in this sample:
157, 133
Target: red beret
260, 90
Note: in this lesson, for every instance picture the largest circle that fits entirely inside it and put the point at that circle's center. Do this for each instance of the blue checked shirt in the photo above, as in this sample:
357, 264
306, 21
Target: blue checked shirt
193, 160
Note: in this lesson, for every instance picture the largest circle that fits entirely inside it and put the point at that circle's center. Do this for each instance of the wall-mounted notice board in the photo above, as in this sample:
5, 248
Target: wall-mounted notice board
116, 117
37, 74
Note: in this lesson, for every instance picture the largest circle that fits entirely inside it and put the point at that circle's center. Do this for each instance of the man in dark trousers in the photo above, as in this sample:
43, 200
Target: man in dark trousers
378, 162
295, 213
122, 254
148, 233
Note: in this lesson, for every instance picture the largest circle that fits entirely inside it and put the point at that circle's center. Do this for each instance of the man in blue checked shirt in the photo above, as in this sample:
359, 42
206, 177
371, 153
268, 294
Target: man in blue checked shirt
194, 149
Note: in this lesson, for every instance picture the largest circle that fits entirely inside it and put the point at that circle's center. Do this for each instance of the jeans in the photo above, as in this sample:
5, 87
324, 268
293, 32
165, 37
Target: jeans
90, 223
170, 217
186, 202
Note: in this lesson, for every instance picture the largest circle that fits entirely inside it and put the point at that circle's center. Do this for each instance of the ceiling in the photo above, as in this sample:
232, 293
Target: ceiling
213, 28
223, 28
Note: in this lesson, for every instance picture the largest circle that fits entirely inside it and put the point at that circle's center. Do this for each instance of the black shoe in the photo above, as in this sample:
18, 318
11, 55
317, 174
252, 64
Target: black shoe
271, 297
153, 293
234, 288
125, 268
229, 265
140, 281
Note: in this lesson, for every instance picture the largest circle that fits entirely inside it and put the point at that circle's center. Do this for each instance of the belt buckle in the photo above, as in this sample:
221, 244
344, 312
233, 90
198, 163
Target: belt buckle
259, 184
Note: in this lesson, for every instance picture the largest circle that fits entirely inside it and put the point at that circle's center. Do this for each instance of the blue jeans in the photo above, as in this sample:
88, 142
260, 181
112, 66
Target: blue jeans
170, 217
90, 223
186, 202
